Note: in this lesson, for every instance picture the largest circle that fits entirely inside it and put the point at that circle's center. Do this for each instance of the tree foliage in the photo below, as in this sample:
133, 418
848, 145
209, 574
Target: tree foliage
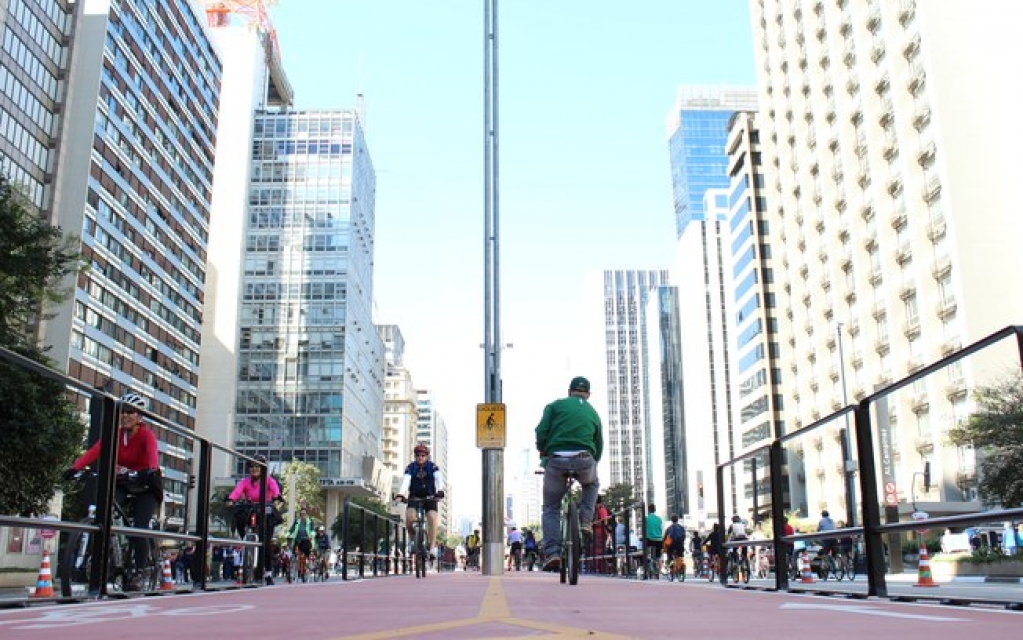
620, 496
996, 432
41, 430
308, 492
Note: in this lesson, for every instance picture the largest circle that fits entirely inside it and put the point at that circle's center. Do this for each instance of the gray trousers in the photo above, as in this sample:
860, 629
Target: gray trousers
554, 489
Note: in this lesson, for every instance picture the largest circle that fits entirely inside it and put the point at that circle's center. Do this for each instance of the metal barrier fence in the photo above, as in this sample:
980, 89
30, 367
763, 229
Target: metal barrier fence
369, 539
865, 446
104, 411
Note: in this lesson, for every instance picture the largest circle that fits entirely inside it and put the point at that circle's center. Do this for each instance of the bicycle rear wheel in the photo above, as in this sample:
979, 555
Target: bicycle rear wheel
850, 568
744, 569
575, 546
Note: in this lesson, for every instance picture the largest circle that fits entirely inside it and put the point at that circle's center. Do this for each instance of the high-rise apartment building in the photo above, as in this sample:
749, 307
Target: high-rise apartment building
890, 199
35, 37
756, 366
628, 429
697, 129
401, 414
134, 182
311, 363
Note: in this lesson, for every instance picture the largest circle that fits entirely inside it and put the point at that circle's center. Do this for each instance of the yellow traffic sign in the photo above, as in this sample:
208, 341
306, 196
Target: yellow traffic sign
490, 426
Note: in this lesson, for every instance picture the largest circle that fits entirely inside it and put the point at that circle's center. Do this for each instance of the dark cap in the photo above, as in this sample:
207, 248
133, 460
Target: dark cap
579, 383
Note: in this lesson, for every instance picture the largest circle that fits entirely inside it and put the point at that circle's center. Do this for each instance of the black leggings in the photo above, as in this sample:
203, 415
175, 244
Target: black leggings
143, 508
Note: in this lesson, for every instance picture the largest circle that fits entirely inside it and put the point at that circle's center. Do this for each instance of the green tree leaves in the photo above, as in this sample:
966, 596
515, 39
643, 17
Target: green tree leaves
996, 431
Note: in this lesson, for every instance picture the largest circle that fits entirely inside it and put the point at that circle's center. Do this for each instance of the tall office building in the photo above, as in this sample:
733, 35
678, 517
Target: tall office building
890, 196
252, 80
134, 181
696, 138
311, 363
628, 429
667, 448
34, 58
401, 412
697, 129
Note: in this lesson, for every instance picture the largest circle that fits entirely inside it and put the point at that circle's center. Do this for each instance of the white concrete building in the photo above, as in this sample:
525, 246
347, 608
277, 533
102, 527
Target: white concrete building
891, 195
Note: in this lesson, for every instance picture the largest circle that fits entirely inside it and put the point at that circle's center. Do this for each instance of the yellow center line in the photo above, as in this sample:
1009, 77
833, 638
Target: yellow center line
493, 609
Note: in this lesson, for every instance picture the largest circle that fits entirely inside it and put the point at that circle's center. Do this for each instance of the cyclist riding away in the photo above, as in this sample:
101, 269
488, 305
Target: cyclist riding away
653, 531
827, 524
472, 550
136, 452
569, 439
422, 479
515, 544
531, 549
675, 541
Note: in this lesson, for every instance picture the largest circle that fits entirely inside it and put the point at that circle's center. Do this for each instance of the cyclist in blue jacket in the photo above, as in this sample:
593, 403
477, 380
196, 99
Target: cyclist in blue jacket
422, 479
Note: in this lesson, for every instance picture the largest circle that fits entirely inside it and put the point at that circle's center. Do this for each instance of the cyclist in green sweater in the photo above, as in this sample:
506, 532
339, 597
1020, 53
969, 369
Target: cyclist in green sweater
568, 438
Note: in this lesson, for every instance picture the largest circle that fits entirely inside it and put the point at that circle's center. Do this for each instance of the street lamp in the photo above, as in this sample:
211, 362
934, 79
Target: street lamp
848, 465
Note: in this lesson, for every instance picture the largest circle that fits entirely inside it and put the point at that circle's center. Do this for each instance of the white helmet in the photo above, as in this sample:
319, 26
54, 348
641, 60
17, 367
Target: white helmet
135, 400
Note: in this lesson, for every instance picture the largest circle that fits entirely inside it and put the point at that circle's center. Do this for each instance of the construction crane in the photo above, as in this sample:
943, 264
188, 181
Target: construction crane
218, 14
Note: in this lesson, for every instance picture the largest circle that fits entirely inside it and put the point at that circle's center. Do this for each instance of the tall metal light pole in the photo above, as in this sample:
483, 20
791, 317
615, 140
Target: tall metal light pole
493, 459
847, 462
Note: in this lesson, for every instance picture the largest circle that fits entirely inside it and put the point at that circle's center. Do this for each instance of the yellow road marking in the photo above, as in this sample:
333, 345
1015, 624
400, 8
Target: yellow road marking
493, 609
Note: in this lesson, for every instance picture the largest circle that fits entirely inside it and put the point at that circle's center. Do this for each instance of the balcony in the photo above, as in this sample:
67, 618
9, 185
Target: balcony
904, 254
912, 47
927, 151
923, 444
877, 52
947, 308
881, 345
932, 187
921, 117
942, 267
916, 77
936, 229
833, 369
857, 356
914, 362
919, 401
867, 210
950, 345
899, 217
911, 328
955, 388
879, 309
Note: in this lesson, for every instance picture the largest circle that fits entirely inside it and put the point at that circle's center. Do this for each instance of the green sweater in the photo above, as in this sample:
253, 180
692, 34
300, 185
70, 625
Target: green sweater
569, 424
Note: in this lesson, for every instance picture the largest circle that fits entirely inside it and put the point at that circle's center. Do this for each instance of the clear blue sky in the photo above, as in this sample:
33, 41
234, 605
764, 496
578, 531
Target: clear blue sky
585, 87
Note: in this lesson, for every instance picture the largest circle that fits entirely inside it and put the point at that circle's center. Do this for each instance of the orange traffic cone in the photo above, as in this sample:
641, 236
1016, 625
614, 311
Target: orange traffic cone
166, 580
923, 576
44, 584
805, 570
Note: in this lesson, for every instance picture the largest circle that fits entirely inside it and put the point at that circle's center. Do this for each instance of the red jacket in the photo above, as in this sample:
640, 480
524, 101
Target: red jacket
138, 452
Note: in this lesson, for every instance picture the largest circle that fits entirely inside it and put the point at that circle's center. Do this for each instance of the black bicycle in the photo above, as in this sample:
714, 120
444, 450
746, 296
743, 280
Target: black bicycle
123, 575
420, 544
571, 534
250, 555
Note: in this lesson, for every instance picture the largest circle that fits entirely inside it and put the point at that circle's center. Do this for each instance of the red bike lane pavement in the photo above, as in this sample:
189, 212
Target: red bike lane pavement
470, 605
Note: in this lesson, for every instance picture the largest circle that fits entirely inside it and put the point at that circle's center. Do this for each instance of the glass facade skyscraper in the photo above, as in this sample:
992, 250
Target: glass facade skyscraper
697, 135
311, 364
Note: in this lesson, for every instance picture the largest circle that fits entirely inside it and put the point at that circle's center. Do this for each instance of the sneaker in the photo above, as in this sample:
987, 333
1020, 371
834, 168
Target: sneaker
552, 564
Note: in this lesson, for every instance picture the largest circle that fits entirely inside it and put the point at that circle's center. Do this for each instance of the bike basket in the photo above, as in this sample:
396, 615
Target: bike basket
135, 483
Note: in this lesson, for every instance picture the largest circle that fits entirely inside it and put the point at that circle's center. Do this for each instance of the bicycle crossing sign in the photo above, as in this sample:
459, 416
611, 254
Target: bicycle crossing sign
490, 426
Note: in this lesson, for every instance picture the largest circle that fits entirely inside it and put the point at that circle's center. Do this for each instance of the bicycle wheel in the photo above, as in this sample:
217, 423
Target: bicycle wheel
712, 569
75, 564
850, 568
744, 569
420, 551
575, 546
